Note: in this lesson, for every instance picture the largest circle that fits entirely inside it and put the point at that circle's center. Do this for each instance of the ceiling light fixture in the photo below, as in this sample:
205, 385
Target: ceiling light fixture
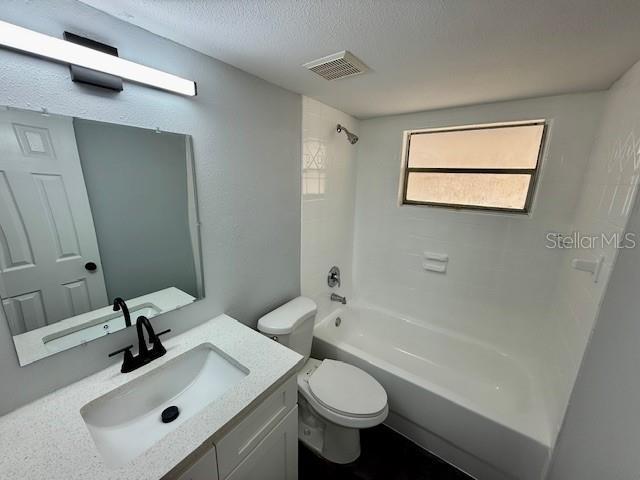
25, 40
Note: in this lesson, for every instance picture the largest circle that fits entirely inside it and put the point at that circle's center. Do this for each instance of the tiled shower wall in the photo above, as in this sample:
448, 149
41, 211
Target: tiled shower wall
605, 203
500, 276
328, 191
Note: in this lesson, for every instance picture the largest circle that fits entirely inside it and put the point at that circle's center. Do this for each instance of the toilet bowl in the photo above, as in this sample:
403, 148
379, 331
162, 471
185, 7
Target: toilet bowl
335, 399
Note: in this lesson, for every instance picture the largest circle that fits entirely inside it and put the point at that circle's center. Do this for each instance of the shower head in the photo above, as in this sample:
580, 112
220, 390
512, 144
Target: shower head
352, 137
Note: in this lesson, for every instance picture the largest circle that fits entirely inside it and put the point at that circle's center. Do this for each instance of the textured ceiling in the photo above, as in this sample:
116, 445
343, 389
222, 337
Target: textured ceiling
423, 54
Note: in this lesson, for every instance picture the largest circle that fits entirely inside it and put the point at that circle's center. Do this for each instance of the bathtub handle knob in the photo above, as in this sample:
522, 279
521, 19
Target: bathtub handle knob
333, 279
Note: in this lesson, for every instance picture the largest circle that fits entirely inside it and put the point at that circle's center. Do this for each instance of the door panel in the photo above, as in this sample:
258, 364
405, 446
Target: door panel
78, 299
34, 141
55, 204
26, 311
15, 249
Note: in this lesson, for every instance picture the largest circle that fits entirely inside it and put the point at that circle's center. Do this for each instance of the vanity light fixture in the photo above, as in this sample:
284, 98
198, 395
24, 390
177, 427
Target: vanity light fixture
25, 40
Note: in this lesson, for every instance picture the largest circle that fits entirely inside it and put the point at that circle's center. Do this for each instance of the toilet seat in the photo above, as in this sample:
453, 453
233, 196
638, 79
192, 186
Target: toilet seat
343, 394
347, 390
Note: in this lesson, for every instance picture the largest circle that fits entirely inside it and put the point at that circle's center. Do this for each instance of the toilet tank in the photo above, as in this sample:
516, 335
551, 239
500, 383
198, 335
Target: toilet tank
291, 325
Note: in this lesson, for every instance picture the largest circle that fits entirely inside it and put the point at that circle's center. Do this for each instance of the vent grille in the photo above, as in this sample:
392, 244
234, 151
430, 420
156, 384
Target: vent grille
339, 65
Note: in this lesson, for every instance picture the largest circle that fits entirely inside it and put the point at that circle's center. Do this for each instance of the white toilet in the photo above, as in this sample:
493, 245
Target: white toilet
335, 399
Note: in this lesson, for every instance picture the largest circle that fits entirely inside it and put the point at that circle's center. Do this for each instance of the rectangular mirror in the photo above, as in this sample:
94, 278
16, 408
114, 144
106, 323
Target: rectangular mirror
91, 212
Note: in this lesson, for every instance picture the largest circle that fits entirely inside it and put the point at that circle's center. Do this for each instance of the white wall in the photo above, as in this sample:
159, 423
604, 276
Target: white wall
246, 138
501, 278
601, 434
604, 206
327, 212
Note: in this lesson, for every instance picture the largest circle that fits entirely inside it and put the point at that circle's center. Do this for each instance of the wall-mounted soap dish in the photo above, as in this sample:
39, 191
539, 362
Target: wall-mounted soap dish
591, 266
435, 262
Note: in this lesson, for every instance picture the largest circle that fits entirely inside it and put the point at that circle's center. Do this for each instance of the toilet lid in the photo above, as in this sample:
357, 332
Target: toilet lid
347, 389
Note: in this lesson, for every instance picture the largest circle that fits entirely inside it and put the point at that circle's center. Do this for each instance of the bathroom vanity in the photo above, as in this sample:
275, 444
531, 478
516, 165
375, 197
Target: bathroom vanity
237, 398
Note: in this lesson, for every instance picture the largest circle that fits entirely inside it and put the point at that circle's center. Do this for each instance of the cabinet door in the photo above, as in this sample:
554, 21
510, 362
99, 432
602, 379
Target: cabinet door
236, 445
205, 468
275, 457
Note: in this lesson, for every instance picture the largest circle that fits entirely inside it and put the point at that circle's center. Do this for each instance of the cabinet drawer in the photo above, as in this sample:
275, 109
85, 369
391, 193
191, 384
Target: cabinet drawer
205, 468
240, 441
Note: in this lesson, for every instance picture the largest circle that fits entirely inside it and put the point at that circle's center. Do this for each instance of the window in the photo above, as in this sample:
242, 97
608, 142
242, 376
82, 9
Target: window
488, 167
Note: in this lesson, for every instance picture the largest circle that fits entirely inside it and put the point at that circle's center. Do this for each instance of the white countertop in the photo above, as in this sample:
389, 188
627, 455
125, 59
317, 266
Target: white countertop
48, 439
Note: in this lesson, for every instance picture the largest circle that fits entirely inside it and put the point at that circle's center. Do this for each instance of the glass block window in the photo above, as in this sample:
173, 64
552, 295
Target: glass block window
314, 169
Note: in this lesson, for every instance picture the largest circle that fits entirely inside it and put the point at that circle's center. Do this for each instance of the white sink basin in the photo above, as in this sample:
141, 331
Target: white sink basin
126, 422
104, 325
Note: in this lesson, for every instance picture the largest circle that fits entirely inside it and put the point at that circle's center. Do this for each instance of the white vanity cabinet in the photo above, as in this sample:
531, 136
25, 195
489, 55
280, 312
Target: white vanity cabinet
275, 457
262, 446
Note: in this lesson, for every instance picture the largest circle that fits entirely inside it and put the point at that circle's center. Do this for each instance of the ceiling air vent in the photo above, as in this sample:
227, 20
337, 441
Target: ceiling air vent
339, 65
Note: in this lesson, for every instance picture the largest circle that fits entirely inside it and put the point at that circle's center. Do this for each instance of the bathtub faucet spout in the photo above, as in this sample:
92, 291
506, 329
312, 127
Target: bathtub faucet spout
338, 298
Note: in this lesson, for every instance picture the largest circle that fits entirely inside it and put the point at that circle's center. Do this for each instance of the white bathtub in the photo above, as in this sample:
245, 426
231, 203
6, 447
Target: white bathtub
461, 399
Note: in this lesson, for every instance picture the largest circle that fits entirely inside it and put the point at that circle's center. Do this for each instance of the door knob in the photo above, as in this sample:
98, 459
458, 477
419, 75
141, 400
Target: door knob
90, 266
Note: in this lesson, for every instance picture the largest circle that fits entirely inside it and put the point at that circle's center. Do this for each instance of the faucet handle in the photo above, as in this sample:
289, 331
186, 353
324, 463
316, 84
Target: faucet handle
157, 348
128, 363
333, 279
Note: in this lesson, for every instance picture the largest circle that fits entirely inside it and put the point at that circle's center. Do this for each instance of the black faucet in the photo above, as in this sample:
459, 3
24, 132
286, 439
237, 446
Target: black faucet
145, 355
119, 304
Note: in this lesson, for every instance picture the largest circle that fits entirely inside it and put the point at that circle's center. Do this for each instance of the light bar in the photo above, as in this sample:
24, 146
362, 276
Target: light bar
35, 43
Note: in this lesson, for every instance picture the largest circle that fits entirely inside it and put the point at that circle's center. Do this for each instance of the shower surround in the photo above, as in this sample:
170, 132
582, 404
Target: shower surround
503, 287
